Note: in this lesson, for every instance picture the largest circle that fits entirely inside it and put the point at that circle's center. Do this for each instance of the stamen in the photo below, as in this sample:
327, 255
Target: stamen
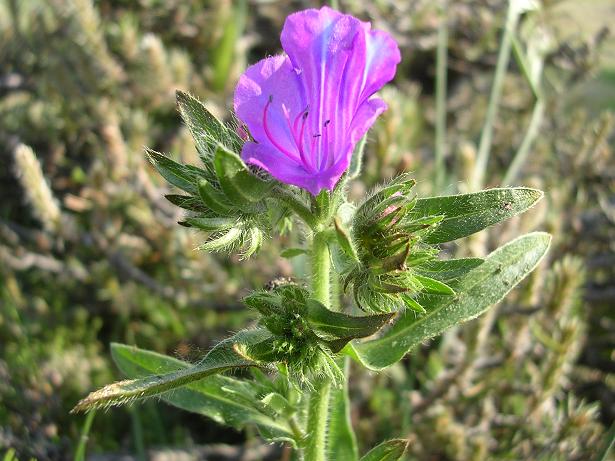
325, 147
269, 135
304, 159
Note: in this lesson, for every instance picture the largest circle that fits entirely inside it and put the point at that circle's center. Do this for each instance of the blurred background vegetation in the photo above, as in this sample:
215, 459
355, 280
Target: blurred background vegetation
90, 251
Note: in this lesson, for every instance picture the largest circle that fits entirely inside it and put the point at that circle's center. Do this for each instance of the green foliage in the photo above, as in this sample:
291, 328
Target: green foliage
222, 398
391, 450
93, 255
477, 291
469, 213
221, 358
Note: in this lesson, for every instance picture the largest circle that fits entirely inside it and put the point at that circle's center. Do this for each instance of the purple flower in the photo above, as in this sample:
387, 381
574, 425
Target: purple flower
307, 109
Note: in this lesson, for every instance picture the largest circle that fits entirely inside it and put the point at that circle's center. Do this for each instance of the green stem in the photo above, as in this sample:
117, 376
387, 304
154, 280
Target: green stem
318, 409
318, 406
321, 268
441, 65
297, 206
83, 440
512, 18
526, 144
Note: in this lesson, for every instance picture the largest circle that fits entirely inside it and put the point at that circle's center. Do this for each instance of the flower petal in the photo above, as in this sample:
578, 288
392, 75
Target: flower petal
267, 96
280, 167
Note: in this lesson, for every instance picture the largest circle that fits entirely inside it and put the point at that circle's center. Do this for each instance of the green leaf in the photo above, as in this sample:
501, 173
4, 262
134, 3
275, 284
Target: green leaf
478, 290
341, 328
448, 269
293, 252
278, 403
434, 286
205, 128
237, 182
212, 396
391, 450
342, 441
469, 213
221, 358
183, 176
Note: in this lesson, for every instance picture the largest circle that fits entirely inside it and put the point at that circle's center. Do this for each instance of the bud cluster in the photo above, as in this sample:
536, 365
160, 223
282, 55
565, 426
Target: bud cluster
385, 256
305, 335
225, 198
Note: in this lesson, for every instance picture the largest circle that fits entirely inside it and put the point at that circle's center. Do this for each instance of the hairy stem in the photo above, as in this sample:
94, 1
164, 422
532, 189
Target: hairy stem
318, 406
318, 409
321, 269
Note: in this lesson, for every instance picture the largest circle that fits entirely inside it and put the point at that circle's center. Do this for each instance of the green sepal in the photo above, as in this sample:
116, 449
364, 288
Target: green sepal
402, 185
238, 183
187, 202
221, 242
207, 131
356, 161
214, 199
391, 450
433, 286
210, 224
184, 177
344, 240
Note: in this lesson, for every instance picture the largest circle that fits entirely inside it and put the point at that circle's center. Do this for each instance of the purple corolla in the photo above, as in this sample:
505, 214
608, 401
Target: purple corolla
307, 109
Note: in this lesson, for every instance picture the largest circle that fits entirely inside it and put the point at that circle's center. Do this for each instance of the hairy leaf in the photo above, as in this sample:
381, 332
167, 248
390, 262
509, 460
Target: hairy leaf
478, 290
213, 396
221, 358
335, 326
469, 213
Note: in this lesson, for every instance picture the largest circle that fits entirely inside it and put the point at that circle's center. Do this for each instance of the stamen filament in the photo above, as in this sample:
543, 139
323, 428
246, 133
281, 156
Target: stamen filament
270, 136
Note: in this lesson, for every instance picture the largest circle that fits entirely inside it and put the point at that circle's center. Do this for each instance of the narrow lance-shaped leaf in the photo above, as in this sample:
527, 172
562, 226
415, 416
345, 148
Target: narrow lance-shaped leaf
212, 396
469, 213
391, 450
340, 328
223, 357
478, 290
